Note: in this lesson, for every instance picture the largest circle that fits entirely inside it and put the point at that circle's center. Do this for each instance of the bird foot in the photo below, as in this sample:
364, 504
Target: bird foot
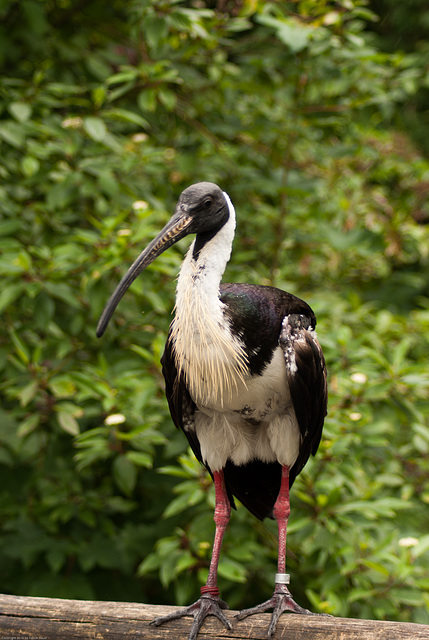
280, 602
207, 605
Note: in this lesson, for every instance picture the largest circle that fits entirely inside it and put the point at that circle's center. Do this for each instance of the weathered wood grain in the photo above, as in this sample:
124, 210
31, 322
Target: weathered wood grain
50, 618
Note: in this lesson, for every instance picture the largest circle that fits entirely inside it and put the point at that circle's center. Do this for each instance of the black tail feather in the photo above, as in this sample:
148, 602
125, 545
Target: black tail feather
256, 484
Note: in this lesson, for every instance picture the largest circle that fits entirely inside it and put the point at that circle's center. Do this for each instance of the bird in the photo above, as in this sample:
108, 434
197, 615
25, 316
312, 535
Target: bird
245, 380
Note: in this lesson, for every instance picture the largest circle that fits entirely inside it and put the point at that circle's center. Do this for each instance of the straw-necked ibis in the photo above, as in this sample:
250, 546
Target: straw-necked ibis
245, 381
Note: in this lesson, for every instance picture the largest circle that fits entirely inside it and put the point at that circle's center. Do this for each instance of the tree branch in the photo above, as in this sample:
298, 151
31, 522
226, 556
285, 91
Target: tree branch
51, 618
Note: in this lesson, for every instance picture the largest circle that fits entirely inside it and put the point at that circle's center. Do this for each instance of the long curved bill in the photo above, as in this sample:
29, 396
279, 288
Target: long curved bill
173, 231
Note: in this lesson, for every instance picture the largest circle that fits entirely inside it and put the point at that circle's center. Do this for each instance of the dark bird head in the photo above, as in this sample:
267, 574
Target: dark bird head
201, 209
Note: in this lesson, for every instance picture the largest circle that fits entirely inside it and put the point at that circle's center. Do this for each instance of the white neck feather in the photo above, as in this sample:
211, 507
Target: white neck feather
212, 359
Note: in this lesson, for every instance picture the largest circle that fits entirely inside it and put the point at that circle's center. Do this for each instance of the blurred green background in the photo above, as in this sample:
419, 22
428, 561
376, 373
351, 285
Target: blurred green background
314, 118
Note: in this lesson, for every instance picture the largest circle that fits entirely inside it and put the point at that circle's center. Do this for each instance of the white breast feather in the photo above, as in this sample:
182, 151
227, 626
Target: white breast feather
228, 433
211, 358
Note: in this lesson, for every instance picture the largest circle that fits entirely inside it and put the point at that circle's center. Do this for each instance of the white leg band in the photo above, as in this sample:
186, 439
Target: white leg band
282, 578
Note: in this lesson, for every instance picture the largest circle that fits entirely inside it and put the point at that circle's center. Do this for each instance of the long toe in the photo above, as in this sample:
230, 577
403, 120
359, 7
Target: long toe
207, 605
283, 602
280, 602
259, 608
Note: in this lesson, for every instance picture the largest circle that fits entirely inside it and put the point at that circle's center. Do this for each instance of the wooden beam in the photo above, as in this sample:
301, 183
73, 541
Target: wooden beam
54, 619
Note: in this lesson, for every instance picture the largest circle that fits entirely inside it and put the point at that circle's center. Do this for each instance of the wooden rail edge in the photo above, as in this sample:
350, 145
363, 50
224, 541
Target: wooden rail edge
51, 618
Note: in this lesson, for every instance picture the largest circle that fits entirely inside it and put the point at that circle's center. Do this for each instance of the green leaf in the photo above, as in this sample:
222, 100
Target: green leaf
64, 89
9, 227
168, 98
44, 309
149, 564
123, 76
95, 128
422, 546
185, 562
62, 291
30, 166
20, 348
21, 111
125, 474
156, 29
12, 133
168, 570
55, 559
29, 425
376, 566
9, 294
183, 502
140, 459
62, 386
128, 116
292, 33
232, 570
99, 95
146, 100
60, 195
68, 423
28, 393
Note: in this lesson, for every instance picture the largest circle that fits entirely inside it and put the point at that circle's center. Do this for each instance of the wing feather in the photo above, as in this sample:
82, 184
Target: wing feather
307, 380
182, 407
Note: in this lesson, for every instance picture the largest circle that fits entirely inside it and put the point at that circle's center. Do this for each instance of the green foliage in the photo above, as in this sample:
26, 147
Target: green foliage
297, 110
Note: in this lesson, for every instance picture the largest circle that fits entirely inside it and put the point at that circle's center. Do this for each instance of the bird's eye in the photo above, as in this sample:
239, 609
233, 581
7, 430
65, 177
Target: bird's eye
207, 202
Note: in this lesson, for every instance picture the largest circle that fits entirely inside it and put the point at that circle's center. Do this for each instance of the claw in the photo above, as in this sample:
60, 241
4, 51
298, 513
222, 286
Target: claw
280, 602
207, 605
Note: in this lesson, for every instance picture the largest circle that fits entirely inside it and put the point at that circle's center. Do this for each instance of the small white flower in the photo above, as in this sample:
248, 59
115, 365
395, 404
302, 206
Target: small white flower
72, 123
355, 416
360, 378
139, 137
408, 542
140, 205
115, 418
124, 232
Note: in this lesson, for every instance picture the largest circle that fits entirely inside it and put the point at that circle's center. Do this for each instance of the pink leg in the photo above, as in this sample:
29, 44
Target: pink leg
281, 513
209, 603
222, 515
281, 599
